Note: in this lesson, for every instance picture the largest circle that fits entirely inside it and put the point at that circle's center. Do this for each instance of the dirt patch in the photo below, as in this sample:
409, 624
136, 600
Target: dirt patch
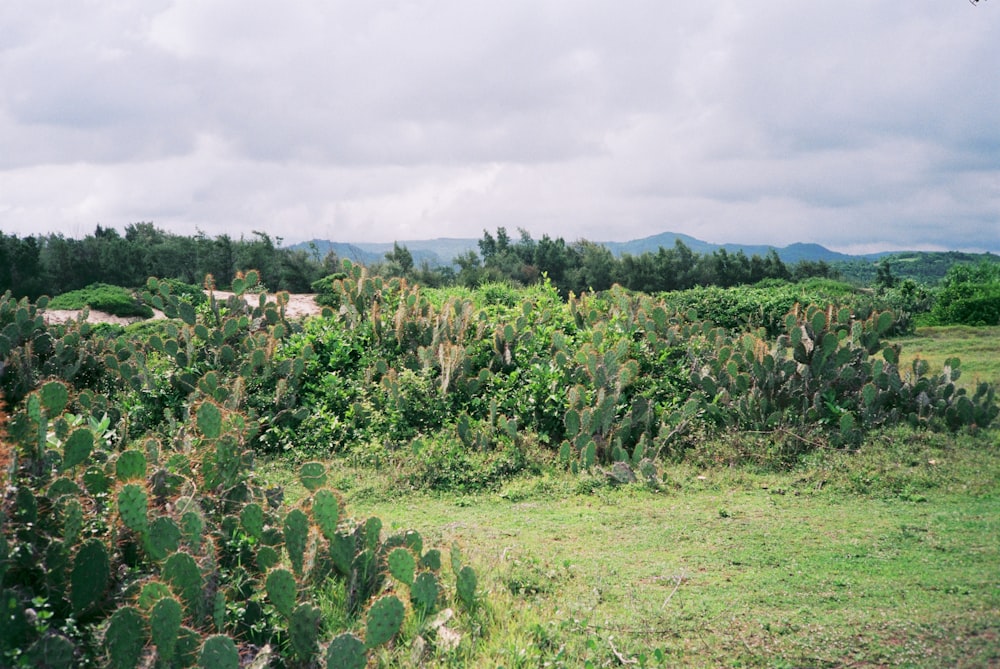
299, 306
94, 316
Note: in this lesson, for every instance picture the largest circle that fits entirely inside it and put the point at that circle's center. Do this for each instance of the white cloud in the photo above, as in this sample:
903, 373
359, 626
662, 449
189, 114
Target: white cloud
850, 124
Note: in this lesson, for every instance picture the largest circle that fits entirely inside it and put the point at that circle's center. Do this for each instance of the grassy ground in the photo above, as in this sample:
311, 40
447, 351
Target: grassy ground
978, 349
885, 556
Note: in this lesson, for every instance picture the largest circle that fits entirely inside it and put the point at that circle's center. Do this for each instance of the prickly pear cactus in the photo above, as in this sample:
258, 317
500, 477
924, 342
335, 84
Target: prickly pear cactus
209, 420
303, 631
466, 586
219, 652
193, 525
130, 466
78, 448
326, 512
125, 638
402, 565
72, 522
281, 590
346, 651
313, 475
182, 573
296, 529
385, 617
252, 520
424, 592
165, 627
132, 508
164, 537
90, 575
52, 651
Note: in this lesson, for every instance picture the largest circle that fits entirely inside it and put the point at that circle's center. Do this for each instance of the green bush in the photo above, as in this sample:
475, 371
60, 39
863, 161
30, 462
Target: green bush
970, 295
114, 300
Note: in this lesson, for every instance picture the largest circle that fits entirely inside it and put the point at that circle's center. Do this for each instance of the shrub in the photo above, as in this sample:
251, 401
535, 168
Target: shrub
114, 300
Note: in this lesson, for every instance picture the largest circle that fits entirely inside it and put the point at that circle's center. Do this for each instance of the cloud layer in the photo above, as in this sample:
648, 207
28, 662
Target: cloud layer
858, 125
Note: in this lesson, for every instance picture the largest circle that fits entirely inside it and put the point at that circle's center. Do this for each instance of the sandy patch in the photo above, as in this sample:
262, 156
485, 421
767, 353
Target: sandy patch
299, 306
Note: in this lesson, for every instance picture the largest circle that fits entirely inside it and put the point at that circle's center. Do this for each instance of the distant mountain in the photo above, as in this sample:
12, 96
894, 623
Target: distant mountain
443, 251
434, 251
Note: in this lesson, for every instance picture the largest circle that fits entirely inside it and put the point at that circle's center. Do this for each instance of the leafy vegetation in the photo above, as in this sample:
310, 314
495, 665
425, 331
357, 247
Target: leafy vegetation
121, 544
135, 528
102, 297
969, 295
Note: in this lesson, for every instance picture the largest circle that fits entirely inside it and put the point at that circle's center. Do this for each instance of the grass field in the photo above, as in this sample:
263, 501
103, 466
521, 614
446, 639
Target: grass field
881, 557
724, 568
977, 347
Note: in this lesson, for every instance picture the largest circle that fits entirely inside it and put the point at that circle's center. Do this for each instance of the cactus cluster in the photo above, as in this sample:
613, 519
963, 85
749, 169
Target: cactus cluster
165, 551
831, 369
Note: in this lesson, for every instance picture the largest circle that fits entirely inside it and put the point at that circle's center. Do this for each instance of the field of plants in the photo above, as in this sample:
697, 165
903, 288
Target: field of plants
496, 476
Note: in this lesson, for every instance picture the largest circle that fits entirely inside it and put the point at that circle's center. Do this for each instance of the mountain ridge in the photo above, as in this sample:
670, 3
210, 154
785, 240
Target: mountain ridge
443, 250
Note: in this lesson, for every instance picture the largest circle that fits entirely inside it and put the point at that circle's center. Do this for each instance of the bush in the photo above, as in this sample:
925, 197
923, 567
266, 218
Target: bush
970, 295
114, 300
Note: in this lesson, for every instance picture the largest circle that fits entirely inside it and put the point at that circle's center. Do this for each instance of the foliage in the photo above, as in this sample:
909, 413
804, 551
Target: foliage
102, 297
54, 264
164, 547
969, 295
601, 379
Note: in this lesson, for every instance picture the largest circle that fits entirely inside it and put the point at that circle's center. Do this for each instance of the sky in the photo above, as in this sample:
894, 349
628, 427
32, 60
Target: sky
862, 125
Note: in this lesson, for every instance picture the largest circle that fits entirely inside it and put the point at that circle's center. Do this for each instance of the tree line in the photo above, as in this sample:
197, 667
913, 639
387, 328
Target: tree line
583, 265
54, 264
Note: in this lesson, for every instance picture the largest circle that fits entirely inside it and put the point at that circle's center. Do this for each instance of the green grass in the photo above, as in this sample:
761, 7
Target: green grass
887, 555
977, 347
883, 557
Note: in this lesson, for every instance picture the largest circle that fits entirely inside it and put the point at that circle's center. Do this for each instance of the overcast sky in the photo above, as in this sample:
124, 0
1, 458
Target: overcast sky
858, 124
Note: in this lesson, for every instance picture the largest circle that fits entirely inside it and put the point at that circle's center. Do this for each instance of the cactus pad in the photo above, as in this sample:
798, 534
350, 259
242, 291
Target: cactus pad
78, 447
281, 590
165, 626
130, 466
326, 512
466, 586
342, 549
313, 475
252, 519
151, 593
267, 557
193, 526
132, 507
402, 565
55, 396
424, 592
303, 631
52, 651
385, 617
125, 638
163, 538
346, 651
72, 516
219, 652
182, 573
431, 560
296, 529
209, 420
90, 575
